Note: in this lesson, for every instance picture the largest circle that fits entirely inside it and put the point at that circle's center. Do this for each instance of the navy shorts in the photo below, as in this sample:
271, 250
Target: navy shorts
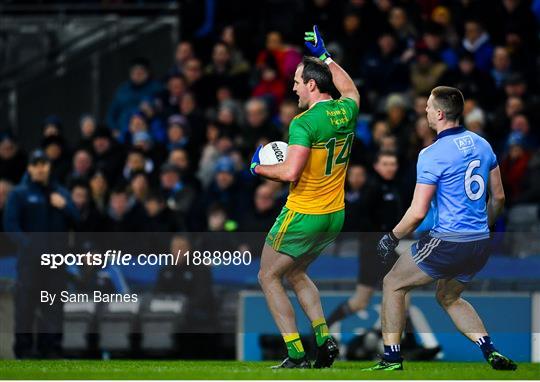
450, 260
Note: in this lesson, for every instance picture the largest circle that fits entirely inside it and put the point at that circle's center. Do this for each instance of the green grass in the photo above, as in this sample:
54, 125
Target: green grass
145, 369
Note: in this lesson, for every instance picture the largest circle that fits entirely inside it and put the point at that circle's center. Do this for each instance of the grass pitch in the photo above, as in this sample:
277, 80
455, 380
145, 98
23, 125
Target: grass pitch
145, 369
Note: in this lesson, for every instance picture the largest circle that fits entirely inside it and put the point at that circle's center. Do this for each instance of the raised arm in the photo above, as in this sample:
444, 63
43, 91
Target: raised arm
343, 82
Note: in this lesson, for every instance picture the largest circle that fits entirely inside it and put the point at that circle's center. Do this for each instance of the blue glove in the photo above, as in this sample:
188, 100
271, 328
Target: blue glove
386, 247
315, 44
255, 161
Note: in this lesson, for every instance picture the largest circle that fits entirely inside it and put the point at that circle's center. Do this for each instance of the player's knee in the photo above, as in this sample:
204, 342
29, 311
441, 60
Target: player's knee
446, 299
390, 283
263, 277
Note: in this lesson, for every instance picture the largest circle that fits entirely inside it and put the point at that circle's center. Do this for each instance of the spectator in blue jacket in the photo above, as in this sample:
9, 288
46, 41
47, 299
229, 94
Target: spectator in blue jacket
476, 41
130, 94
35, 206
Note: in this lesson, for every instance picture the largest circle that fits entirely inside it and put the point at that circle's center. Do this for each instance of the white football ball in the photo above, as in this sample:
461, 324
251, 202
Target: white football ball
273, 153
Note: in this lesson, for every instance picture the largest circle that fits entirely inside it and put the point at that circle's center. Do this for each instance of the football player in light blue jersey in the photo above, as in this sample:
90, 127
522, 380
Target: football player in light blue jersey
456, 173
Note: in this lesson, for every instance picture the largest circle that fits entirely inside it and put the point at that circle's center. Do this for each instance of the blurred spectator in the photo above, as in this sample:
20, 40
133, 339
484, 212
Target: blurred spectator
501, 67
81, 167
229, 37
357, 201
129, 95
156, 128
388, 204
99, 187
55, 148
287, 111
258, 128
192, 281
383, 71
514, 166
121, 215
433, 40
12, 158
38, 204
170, 98
425, 72
179, 195
52, 126
404, 31
139, 187
475, 121
397, 119
90, 219
108, 156
136, 161
87, 128
531, 182
184, 52
286, 57
476, 41
5, 189
160, 217
470, 80
271, 85
223, 71
226, 190
262, 216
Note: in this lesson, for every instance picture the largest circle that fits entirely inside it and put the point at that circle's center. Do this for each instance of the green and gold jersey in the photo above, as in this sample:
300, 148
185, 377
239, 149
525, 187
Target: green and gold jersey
327, 128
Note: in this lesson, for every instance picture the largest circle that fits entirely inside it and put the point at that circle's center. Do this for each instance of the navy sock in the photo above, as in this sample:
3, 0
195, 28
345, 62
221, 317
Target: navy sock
392, 353
486, 345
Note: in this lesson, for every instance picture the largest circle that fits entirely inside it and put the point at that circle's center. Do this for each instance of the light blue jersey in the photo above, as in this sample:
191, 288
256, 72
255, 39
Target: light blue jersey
458, 163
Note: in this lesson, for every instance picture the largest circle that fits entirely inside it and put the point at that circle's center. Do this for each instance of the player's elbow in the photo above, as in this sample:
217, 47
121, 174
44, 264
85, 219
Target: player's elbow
418, 214
291, 175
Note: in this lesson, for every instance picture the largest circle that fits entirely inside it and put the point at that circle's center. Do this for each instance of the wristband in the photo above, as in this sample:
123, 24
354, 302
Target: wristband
392, 236
328, 60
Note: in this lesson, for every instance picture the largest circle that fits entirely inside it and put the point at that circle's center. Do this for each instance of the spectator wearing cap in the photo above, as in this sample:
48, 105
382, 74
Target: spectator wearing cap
476, 41
475, 121
179, 195
38, 204
12, 158
52, 126
55, 148
128, 96
514, 165
108, 155
226, 191
177, 132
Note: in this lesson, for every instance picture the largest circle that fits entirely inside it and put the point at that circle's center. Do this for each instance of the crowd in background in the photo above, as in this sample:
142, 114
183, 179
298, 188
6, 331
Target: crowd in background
173, 151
